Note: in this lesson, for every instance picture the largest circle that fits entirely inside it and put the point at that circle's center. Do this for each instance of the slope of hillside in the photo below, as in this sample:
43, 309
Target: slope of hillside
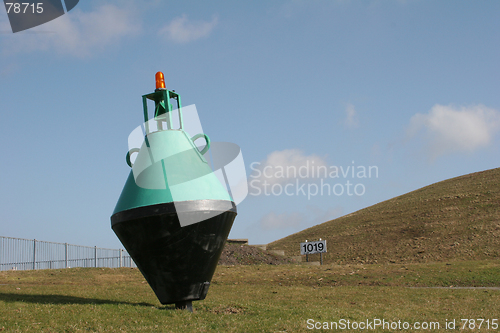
235, 254
456, 219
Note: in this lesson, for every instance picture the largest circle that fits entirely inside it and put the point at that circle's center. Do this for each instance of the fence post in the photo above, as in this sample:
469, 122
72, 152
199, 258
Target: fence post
15, 254
34, 254
66, 254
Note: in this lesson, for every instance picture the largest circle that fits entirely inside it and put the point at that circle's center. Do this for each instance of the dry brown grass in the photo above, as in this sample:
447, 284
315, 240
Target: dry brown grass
456, 219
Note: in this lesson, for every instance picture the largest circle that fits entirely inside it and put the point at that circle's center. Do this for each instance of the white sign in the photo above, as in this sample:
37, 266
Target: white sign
313, 247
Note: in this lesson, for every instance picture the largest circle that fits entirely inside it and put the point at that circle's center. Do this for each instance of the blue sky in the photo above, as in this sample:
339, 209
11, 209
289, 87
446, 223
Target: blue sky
408, 87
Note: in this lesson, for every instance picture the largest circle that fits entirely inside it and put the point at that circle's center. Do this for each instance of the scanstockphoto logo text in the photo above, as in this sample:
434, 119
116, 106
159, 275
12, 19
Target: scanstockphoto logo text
310, 180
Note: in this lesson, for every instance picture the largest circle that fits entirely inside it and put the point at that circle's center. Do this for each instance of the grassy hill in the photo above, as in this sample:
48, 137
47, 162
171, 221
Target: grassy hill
456, 219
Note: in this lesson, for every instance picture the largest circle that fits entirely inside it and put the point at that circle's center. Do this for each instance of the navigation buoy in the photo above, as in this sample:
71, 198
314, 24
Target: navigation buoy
173, 215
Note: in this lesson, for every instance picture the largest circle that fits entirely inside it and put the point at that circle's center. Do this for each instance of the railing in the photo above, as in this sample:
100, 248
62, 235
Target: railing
26, 254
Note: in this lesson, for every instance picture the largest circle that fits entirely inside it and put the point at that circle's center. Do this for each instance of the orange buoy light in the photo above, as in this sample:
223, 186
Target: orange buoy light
160, 80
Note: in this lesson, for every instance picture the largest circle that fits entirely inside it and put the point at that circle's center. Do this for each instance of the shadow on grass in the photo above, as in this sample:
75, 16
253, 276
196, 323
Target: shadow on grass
61, 299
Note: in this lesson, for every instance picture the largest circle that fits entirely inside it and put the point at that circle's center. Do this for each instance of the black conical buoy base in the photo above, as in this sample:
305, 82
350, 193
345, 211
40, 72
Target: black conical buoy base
186, 305
178, 262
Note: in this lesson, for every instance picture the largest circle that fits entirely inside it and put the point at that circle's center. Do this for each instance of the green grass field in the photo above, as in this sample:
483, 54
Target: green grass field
256, 298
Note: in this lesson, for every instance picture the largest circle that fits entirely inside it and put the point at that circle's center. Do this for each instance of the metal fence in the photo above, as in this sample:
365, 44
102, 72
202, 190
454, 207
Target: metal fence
25, 254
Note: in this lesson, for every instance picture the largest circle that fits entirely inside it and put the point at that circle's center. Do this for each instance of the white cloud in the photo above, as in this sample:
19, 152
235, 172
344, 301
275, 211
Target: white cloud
283, 166
351, 120
297, 221
181, 30
450, 129
281, 221
78, 33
